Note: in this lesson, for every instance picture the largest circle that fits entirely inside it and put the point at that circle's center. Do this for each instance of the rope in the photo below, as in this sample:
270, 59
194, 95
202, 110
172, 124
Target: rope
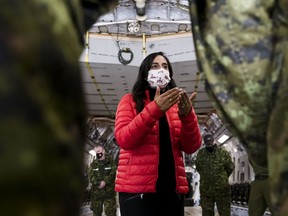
121, 59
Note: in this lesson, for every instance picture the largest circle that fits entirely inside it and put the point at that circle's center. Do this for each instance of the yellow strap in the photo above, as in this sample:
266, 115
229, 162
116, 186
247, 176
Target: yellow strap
144, 45
196, 81
196, 85
92, 74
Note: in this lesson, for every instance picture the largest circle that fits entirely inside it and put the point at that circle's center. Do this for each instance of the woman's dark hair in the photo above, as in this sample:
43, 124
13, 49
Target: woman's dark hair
141, 84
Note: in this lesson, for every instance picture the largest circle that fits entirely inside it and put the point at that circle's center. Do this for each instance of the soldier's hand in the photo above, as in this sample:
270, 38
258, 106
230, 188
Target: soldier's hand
102, 184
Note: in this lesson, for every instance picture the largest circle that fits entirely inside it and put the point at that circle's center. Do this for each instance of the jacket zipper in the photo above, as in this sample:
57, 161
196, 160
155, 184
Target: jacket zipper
133, 197
171, 141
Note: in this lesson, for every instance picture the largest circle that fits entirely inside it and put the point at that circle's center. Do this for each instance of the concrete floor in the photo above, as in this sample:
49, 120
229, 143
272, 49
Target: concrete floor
189, 211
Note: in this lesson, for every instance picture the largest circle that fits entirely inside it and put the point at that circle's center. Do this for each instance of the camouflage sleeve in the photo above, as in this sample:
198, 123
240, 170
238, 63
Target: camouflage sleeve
92, 175
242, 55
229, 165
236, 66
198, 162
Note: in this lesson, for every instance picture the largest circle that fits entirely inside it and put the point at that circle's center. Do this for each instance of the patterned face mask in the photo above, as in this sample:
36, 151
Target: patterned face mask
159, 78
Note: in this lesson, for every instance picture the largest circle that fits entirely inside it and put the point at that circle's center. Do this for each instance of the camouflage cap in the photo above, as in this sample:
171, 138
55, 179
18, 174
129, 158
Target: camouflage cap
208, 140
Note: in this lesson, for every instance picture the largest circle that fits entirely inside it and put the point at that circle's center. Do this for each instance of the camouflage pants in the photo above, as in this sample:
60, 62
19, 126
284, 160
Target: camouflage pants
259, 198
242, 52
223, 204
109, 203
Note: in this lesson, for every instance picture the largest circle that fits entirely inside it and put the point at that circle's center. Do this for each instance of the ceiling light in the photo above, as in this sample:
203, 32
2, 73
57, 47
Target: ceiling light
223, 138
92, 152
182, 27
103, 29
155, 27
133, 27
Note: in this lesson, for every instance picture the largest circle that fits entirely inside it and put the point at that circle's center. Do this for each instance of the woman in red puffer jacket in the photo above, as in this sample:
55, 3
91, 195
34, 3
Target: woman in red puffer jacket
153, 126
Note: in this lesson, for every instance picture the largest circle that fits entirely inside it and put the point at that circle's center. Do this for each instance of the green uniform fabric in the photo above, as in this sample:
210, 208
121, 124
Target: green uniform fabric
42, 111
214, 168
103, 170
260, 198
242, 54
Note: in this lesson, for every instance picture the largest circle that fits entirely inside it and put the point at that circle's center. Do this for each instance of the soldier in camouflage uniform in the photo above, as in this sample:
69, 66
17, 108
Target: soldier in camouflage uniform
214, 165
102, 173
41, 104
242, 52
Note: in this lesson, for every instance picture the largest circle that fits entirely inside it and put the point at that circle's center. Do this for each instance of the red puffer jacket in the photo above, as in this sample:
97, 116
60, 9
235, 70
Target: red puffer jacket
138, 138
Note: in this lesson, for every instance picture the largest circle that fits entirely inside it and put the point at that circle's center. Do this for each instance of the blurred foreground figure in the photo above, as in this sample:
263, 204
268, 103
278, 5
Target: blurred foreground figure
242, 48
41, 110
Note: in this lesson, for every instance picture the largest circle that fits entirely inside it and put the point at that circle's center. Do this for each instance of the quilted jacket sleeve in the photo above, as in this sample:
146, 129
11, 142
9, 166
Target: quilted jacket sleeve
190, 138
131, 128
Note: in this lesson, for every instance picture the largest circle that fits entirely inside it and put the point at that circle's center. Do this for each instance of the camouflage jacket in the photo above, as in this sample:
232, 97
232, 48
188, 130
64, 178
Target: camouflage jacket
102, 170
214, 169
242, 54
42, 108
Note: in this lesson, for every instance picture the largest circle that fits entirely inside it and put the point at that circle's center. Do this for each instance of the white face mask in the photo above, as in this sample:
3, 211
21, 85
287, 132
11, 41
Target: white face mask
159, 78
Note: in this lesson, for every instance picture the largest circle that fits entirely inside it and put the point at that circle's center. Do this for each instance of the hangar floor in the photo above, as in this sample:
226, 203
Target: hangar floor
189, 211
